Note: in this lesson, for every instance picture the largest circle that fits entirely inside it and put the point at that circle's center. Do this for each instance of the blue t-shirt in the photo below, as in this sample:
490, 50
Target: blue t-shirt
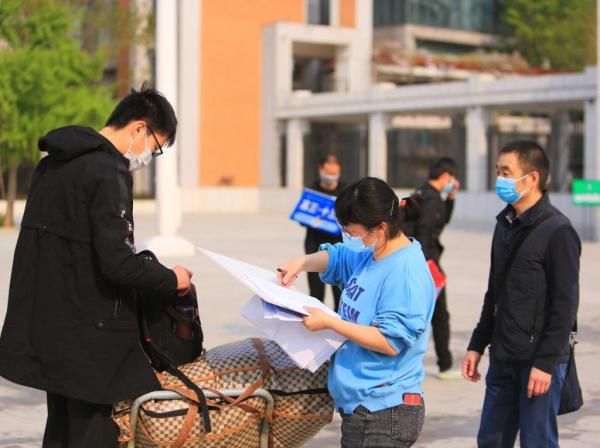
395, 294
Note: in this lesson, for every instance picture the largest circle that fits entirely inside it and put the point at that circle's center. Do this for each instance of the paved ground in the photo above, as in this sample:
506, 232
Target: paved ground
453, 408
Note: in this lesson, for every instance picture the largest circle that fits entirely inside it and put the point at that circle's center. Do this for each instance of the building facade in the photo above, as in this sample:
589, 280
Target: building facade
267, 88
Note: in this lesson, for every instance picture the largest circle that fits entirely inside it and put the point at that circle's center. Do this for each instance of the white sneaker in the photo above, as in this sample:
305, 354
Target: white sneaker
450, 375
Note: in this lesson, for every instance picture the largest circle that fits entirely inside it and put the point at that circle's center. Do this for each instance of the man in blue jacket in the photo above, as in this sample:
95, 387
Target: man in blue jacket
529, 309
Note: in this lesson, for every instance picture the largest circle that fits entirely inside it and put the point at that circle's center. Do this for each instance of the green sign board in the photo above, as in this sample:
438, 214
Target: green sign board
586, 192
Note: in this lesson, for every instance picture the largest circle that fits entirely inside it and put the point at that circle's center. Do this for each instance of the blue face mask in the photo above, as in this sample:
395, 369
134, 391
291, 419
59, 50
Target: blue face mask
356, 243
506, 189
449, 187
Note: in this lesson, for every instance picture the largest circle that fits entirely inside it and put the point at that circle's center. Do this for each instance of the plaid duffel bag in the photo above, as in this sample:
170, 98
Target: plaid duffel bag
302, 403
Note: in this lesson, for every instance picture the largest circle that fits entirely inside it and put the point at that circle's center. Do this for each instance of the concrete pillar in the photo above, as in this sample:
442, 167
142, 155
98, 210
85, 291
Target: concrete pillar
591, 158
334, 12
189, 94
276, 79
168, 193
343, 65
378, 148
295, 129
140, 68
360, 62
476, 121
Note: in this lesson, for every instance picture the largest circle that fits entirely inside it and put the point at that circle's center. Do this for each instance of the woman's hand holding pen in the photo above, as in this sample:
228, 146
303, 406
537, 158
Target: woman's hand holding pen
287, 272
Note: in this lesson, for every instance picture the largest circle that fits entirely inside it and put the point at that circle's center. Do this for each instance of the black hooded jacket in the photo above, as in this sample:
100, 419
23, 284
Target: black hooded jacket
435, 214
71, 323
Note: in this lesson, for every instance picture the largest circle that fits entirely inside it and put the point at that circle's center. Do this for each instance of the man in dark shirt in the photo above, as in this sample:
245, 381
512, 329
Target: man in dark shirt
330, 170
436, 199
529, 309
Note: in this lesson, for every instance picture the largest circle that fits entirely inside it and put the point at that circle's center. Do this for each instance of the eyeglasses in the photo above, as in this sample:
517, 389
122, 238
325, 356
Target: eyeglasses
158, 151
349, 235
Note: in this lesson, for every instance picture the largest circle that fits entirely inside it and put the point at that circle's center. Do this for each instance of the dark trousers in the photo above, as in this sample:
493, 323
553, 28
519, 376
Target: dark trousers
399, 427
440, 323
507, 410
73, 424
317, 289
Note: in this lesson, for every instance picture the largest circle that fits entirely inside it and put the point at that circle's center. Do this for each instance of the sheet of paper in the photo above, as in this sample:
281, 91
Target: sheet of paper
271, 311
264, 284
308, 349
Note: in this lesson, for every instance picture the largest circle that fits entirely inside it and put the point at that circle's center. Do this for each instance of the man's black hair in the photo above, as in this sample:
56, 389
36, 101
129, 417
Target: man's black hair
370, 201
329, 158
531, 157
149, 105
441, 166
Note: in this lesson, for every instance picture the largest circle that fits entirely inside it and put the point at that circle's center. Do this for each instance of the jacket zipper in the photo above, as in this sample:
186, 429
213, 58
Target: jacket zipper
117, 307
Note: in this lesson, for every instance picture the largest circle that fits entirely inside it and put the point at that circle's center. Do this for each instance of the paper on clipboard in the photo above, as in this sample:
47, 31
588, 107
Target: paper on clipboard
264, 284
277, 310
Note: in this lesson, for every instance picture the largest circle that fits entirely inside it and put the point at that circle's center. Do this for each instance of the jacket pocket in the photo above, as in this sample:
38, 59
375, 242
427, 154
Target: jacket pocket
517, 341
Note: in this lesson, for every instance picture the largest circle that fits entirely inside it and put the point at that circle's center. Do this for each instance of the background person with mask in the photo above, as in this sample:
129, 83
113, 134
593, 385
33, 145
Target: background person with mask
71, 326
529, 308
436, 200
329, 183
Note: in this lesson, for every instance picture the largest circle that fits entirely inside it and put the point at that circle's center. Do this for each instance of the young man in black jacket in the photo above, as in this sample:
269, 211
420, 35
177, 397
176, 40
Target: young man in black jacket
529, 309
71, 325
436, 199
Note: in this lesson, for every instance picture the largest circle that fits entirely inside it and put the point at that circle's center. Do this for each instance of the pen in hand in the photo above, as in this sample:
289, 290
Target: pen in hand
283, 273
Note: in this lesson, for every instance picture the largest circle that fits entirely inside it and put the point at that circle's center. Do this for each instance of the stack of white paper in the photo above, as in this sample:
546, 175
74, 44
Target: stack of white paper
271, 311
277, 310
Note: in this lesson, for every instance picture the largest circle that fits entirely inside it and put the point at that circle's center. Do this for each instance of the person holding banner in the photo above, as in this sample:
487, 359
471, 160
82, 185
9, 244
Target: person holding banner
436, 199
329, 183
385, 312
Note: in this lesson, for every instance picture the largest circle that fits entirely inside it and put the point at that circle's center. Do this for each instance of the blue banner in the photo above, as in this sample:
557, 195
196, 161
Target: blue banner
316, 210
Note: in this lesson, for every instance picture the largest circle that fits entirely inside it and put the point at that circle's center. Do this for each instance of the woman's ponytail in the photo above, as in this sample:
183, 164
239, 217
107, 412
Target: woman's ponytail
410, 210
371, 201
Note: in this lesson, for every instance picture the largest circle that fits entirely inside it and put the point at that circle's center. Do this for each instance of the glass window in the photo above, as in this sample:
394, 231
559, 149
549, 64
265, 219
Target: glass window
412, 151
347, 141
469, 15
566, 160
318, 12
314, 74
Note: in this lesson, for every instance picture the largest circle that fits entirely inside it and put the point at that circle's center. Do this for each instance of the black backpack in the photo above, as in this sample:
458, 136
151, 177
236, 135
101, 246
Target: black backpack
171, 334
171, 331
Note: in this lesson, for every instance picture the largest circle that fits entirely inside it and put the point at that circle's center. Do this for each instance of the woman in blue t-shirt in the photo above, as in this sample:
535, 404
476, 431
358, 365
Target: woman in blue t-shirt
386, 307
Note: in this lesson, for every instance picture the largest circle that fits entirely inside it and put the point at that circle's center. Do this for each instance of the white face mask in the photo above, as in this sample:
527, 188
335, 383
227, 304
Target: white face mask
138, 161
328, 179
